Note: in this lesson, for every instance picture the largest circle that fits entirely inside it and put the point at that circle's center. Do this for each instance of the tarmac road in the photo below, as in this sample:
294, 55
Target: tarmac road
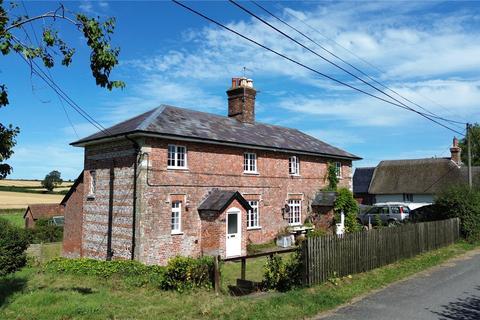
451, 291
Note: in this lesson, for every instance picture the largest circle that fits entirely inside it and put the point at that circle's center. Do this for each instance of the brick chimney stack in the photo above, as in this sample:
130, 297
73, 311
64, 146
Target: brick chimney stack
241, 100
456, 152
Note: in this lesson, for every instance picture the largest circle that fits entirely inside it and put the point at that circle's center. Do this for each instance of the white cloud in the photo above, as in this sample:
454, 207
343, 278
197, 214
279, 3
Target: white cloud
36, 160
420, 59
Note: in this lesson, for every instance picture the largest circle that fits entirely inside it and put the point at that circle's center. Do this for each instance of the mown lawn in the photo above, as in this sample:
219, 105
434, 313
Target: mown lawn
32, 294
15, 216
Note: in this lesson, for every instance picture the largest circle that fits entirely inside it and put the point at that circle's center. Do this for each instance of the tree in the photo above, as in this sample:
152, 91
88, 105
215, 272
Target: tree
50, 47
52, 180
475, 144
13, 243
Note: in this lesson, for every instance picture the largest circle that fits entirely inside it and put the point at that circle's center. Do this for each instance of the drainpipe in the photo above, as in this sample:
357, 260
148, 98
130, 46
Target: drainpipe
134, 207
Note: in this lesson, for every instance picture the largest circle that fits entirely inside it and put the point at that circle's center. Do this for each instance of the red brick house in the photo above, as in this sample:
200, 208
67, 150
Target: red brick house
41, 211
174, 181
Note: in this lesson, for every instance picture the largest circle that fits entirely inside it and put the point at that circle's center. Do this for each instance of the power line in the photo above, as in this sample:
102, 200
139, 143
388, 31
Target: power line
303, 65
357, 56
48, 71
349, 64
334, 64
40, 73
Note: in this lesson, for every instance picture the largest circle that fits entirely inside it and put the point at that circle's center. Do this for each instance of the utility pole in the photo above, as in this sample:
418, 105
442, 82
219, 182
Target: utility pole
469, 150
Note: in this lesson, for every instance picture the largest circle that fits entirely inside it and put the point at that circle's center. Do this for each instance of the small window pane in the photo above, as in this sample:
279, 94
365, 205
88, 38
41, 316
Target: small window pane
176, 216
252, 215
232, 223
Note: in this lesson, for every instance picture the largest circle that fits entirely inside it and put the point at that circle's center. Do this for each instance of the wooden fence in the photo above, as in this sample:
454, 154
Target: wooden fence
327, 256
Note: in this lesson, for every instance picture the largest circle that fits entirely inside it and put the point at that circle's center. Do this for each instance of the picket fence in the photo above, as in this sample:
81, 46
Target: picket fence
332, 256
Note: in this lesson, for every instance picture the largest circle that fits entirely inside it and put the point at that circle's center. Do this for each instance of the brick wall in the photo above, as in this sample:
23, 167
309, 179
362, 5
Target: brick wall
209, 166
72, 234
119, 181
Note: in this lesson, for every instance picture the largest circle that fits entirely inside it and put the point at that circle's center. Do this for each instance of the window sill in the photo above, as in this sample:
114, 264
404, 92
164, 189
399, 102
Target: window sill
178, 168
253, 228
252, 173
90, 197
176, 233
294, 175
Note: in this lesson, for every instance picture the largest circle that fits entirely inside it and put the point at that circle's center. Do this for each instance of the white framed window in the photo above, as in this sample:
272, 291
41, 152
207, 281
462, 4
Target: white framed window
93, 183
294, 165
177, 157
338, 169
253, 215
294, 213
250, 162
176, 217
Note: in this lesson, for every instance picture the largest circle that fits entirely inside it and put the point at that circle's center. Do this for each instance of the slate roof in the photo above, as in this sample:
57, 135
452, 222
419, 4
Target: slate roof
419, 176
362, 178
44, 210
325, 199
219, 200
177, 122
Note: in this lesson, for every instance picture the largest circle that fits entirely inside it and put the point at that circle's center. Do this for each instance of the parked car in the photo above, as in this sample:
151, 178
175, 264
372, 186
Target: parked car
431, 212
387, 212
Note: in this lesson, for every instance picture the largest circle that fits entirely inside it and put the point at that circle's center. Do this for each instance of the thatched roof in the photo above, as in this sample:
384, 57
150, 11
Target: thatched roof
419, 176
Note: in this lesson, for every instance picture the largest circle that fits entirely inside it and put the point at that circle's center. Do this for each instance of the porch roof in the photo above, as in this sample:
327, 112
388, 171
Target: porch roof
219, 200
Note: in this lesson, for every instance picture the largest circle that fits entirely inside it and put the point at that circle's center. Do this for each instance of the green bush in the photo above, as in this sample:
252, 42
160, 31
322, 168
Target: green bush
180, 273
317, 232
346, 202
45, 231
280, 275
184, 273
13, 243
464, 203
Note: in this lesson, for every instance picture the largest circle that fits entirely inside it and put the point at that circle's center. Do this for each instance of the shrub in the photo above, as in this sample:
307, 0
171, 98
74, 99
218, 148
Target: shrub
180, 273
346, 203
187, 273
464, 203
317, 232
280, 275
45, 231
13, 243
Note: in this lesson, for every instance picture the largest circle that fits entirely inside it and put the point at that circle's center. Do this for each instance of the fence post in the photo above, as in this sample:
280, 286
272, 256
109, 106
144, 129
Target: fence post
244, 267
216, 274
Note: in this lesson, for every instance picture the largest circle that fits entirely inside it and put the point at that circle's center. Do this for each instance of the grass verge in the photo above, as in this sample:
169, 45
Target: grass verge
32, 294
14, 216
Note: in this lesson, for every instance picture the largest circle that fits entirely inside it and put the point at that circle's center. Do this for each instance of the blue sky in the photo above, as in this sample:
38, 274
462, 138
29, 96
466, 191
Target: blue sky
428, 51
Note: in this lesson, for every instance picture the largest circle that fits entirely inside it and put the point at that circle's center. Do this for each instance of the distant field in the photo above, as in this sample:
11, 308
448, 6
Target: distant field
10, 200
31, 185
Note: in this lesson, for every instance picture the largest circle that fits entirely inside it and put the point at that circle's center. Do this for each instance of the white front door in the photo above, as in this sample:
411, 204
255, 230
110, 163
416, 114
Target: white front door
234, 233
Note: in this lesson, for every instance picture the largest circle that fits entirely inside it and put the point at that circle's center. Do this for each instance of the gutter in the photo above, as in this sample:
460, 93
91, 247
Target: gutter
134, 206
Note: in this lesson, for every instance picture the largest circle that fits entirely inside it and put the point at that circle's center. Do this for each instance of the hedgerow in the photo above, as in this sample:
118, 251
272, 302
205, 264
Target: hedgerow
13, 243
464, 203
180, 274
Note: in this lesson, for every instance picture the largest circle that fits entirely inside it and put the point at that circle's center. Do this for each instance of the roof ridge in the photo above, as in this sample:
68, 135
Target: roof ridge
146, 122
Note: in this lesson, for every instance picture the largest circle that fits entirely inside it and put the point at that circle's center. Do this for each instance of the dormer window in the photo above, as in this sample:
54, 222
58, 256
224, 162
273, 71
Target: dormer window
177, 157
250, 162
294, 166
